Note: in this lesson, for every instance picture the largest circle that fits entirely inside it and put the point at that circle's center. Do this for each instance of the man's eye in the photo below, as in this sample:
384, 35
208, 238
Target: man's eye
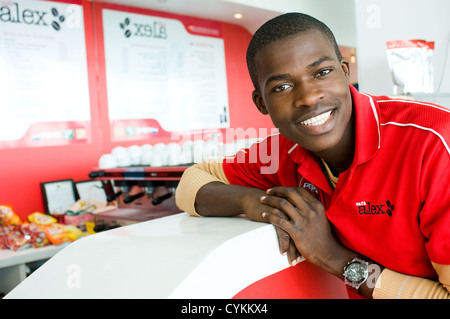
323, 73
281, 88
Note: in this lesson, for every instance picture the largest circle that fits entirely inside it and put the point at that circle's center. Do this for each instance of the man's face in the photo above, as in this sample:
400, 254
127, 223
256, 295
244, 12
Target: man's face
304, 88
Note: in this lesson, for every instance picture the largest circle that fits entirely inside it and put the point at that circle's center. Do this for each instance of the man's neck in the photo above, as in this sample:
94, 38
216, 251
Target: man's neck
340, 157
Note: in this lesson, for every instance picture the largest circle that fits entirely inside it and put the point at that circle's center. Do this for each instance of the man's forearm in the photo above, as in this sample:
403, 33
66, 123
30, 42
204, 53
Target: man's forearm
193, 179
204, 190
218, 199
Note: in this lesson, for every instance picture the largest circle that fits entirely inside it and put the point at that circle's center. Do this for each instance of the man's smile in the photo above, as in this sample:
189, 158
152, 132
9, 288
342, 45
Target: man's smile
317, 124
317, 120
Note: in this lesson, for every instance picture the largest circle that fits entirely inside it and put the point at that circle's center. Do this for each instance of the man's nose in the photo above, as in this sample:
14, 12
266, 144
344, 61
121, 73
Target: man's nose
307, 94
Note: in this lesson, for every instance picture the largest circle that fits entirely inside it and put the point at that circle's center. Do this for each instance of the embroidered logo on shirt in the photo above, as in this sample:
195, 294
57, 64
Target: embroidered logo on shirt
368, 208
311, 188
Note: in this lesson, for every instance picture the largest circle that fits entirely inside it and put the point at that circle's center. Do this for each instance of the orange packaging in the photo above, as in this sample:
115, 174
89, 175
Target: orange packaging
56, 234
8, 217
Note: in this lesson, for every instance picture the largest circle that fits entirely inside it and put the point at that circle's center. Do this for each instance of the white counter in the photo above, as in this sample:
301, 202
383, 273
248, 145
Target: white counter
13, 264
173, 257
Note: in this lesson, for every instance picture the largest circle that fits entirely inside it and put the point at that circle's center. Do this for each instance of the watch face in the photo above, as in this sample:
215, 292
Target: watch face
356, 272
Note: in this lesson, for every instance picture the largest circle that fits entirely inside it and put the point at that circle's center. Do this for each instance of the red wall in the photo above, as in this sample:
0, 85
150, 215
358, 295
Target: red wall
23, 169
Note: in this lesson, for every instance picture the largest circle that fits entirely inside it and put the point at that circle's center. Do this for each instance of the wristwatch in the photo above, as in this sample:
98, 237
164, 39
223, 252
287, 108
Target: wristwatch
356, 273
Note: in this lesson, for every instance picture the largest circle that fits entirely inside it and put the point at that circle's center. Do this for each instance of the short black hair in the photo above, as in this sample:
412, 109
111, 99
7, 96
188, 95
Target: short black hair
280, 27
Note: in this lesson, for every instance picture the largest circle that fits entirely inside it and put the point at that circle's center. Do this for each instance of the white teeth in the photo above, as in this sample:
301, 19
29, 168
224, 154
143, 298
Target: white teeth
317, 120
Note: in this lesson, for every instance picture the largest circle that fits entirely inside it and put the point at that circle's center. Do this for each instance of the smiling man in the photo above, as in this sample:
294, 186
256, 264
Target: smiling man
359, 181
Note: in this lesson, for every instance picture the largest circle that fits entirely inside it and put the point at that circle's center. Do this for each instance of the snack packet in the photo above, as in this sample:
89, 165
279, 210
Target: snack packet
35, 234
73, 232
56, 233
41, 219
14, 239
3, 233
8, 217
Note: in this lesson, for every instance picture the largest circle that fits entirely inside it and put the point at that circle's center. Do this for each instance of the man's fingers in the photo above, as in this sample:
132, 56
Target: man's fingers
283, 240
294, 257
282, 204
284, 198
310, 198
287, 246
296, 195
278, 222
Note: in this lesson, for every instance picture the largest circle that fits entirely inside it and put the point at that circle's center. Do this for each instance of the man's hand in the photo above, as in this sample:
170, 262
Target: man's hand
307, 225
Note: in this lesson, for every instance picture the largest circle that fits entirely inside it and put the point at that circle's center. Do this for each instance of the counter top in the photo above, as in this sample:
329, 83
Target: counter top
178, 256
9, 257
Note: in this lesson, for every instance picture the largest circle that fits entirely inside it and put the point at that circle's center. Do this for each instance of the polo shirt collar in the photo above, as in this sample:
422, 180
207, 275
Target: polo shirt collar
367, 126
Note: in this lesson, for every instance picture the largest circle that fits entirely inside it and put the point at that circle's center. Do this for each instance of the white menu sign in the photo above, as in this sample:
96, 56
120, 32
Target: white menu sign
158, 70
43, 82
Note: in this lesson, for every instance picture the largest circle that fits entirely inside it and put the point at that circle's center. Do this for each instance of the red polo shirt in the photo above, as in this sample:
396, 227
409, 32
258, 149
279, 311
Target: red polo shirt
393, 204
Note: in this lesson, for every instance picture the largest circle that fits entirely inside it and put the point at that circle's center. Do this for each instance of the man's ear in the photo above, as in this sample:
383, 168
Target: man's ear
346, 68
257, 99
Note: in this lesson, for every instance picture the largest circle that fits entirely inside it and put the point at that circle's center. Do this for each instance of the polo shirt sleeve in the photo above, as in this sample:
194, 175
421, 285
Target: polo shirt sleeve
257, 166
435, 195
194, 178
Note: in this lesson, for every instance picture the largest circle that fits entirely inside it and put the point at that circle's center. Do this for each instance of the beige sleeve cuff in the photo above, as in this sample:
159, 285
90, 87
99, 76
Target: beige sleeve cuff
194, 178
394, 285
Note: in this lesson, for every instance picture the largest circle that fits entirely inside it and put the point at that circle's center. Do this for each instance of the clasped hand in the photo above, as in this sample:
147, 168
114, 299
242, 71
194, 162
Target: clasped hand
302, 226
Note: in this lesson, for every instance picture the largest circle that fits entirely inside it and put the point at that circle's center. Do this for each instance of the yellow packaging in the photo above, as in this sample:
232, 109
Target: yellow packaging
41, 219
90, 227
72, 232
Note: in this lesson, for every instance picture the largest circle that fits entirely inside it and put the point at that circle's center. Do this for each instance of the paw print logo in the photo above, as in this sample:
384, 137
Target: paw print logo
390, 208
56, 24
124, 25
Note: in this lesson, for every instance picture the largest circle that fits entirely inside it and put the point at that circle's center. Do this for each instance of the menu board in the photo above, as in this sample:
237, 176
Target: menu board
163, 75
44, 84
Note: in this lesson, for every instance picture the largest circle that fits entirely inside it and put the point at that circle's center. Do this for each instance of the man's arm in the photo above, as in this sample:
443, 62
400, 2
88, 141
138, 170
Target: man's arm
218, 199
394, 285
204, 190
